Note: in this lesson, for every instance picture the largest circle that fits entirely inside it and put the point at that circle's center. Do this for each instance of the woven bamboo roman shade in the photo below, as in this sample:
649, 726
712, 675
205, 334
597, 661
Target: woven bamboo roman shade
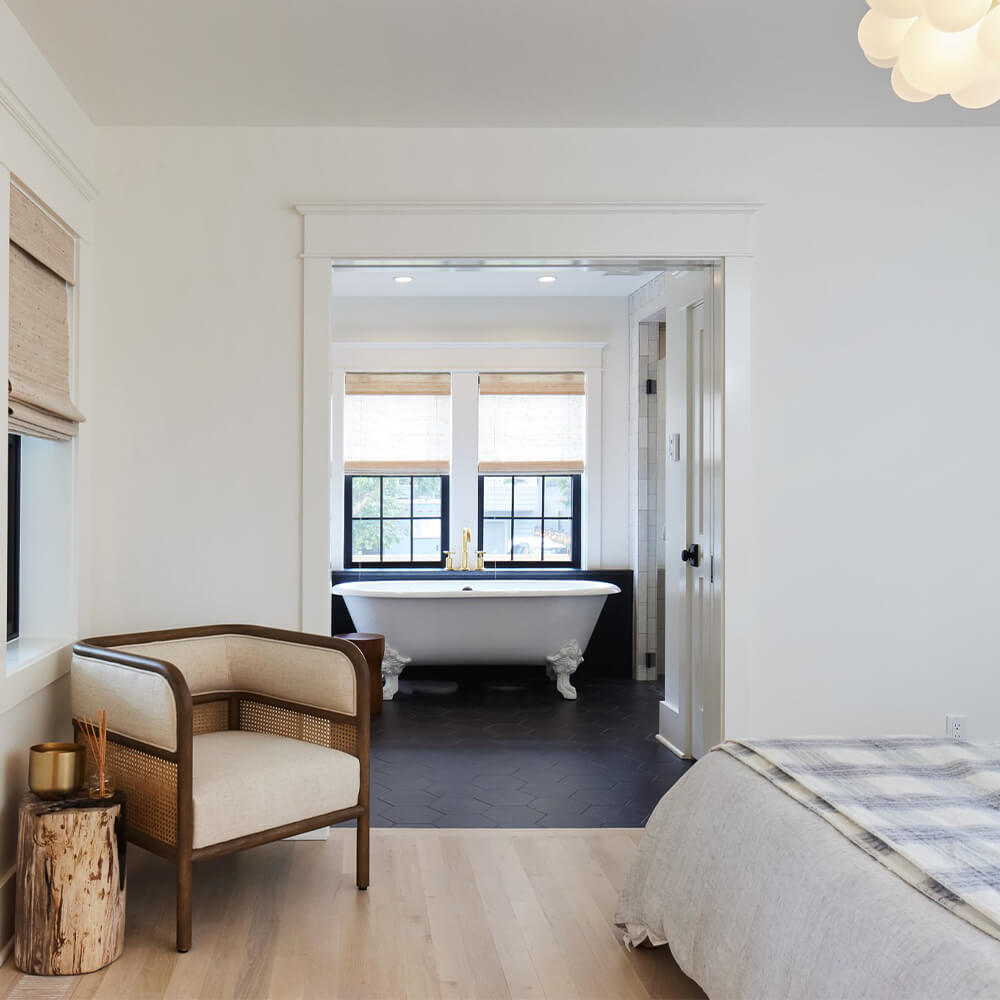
397, 423
42, 272
398, 384
531, 422
531, 384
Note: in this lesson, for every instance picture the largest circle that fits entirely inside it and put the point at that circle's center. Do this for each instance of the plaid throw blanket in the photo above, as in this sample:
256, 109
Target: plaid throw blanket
927, 809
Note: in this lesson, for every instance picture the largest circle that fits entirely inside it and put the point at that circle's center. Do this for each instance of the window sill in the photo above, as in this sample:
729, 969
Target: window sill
32, 663
26, 651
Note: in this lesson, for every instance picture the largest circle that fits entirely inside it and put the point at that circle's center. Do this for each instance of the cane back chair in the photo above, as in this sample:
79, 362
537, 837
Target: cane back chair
224, 737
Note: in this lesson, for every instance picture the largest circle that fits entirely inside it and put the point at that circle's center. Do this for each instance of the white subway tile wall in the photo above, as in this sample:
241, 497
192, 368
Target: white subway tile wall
643, 445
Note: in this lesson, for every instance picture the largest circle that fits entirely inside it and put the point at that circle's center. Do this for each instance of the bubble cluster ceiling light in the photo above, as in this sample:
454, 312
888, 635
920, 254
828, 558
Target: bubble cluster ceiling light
936, 47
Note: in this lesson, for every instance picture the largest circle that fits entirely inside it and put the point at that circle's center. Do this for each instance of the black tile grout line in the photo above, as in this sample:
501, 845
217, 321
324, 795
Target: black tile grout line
515, 757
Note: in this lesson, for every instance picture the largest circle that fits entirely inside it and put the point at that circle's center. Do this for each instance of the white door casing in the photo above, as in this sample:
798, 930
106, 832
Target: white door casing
549, 232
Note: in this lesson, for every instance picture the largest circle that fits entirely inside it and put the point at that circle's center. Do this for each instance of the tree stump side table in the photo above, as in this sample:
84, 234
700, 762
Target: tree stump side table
372, 646
70, 898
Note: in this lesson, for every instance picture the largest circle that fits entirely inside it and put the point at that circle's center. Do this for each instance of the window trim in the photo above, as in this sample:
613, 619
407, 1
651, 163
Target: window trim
576, 487
13, 536
349, 561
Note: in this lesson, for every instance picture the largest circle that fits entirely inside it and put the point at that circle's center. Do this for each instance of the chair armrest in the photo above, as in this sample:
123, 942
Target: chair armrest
146, 700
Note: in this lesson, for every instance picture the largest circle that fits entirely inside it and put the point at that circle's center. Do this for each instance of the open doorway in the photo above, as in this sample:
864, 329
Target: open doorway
460, 329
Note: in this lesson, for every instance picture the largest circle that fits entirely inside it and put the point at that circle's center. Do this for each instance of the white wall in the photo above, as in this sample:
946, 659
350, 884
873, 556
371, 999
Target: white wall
556, 320
50, 145
873, 360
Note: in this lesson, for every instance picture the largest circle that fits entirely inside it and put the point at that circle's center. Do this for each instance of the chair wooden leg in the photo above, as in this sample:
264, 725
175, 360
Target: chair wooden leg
184, 903
363, 839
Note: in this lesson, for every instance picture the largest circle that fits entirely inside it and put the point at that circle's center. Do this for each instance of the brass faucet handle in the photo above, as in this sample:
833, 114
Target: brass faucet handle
449, 563
481, 559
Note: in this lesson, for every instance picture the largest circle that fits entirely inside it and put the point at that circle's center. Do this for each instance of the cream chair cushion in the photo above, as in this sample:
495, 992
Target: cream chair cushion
247, 782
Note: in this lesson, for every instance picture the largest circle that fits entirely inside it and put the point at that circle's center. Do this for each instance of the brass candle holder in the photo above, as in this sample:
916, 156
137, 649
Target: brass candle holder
55, 770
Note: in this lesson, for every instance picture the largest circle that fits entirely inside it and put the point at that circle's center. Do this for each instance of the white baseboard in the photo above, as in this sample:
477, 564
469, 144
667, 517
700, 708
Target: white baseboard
323, 833
672, 748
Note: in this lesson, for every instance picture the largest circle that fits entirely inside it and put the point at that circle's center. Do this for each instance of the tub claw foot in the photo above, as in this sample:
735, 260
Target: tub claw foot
563, 664
392, 666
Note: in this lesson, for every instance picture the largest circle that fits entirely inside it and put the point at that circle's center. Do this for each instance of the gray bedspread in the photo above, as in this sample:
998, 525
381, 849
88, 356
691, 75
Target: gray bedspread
758, 897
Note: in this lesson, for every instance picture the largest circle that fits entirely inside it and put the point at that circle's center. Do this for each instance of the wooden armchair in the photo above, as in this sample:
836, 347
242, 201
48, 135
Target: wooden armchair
225, 737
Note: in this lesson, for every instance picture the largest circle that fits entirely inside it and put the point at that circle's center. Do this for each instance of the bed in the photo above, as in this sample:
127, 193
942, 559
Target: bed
745, 873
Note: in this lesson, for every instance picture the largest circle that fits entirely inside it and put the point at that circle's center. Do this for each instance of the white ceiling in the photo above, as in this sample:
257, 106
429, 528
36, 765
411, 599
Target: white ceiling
472, 63
489, 282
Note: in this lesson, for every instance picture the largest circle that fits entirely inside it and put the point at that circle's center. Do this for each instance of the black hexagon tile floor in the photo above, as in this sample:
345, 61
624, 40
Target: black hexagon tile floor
519, 756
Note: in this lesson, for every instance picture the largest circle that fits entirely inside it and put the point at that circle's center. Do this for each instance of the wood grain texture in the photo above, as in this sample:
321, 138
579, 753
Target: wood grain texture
70, 902
469, 914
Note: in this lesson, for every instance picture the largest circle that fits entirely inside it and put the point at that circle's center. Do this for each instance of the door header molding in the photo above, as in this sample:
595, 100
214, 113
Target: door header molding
499, 231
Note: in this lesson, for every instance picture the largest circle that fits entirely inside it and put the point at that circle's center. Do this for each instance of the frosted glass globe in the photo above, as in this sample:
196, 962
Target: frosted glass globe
955, 15
989, 35
939, 62
880, 37
881, 63
982, 93
902, 88
898, 8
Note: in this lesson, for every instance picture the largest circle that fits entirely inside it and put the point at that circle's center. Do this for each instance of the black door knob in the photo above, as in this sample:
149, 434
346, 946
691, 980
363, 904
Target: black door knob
691, 555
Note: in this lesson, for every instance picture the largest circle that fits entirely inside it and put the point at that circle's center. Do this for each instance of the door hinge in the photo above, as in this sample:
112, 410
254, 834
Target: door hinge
711, 569
651, 387
651, 661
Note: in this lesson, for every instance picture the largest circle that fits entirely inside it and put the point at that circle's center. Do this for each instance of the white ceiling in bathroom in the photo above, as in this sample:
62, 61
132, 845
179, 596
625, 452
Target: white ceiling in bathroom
488, 282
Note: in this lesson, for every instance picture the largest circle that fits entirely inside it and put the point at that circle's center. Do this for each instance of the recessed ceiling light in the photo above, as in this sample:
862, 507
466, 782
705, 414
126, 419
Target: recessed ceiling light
402, 279
547, 279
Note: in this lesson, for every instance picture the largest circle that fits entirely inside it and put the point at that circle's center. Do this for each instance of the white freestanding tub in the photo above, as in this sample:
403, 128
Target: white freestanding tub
468, 621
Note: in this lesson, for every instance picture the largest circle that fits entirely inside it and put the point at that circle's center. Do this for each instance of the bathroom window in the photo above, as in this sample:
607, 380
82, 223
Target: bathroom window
531, 520
395, 520
532, 433
13, 535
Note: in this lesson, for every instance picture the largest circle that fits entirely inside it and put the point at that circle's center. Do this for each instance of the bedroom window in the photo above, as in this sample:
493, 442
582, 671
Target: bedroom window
13, 535
395, 520
397, 450
530, 520
531, 462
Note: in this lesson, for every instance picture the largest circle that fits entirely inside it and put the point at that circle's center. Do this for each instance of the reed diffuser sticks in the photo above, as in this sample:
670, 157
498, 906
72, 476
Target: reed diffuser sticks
96, 733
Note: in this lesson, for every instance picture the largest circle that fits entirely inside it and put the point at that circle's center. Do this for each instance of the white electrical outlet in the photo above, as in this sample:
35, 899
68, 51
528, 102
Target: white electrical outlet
954, 726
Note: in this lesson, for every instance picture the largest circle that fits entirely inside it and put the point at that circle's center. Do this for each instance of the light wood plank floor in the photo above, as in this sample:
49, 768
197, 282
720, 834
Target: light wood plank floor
451, 913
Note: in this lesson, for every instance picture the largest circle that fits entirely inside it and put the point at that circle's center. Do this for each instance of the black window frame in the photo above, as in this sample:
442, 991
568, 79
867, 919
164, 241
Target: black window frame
576, 516
349, 519
13, 536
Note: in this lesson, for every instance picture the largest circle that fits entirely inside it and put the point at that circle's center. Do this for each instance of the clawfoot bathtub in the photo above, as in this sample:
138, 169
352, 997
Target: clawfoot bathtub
516, 622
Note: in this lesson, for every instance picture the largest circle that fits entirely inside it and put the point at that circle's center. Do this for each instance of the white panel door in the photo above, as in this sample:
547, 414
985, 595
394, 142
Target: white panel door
691, 714
704, 524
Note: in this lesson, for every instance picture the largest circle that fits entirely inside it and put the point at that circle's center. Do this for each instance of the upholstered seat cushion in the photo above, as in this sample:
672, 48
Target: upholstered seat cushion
247, 782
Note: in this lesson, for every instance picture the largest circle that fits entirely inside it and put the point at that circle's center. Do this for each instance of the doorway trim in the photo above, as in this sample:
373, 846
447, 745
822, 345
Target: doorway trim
422, 232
